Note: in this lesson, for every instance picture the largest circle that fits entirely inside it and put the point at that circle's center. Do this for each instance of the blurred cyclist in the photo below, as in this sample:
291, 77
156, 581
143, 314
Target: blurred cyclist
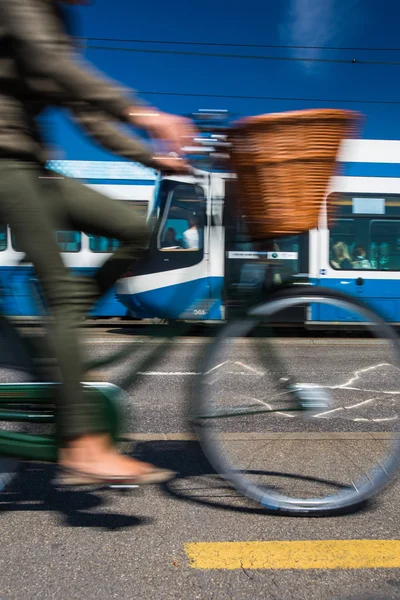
39, 69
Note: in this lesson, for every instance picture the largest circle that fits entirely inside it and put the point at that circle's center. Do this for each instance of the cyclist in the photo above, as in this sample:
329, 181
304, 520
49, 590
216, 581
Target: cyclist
39, 69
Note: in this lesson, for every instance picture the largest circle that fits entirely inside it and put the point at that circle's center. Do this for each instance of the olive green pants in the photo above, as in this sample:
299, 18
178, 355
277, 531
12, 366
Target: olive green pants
35, 203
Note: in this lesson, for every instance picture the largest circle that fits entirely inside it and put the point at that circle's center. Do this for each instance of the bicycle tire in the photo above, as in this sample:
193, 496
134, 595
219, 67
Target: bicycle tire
205, 426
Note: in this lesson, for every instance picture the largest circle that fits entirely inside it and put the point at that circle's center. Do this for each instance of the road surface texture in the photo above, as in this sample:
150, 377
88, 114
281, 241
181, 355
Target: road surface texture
195, 537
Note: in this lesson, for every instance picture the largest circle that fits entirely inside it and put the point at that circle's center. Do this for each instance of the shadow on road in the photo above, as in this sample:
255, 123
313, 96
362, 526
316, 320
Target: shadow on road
33, 490
198, 482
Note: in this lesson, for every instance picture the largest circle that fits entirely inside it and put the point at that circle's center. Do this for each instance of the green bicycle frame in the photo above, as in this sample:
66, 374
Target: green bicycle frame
35, 403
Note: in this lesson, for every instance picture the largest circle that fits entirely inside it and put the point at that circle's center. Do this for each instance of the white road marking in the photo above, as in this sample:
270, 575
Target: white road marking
168, 373
250, 371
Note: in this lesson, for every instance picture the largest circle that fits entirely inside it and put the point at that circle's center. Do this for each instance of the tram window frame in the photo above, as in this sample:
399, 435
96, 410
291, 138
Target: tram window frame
198, 211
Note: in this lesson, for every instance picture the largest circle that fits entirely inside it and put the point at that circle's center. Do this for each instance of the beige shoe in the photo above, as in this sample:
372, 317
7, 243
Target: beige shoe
74, 477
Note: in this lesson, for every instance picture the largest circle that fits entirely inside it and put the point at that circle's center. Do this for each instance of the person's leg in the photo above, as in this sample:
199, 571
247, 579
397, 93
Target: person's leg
21, 207
89, 211
85, 445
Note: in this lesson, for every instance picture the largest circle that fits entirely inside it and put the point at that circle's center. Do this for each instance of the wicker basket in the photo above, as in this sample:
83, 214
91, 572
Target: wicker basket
284, 162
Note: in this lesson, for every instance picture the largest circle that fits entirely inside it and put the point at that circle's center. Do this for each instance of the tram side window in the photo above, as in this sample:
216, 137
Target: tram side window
69, 241
15, 243
3, 238
385, 244
183, 227
342, 244
98, 243
365, 243
350, 246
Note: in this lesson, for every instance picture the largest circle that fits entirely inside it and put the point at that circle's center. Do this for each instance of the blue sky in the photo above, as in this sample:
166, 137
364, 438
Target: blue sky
343, 23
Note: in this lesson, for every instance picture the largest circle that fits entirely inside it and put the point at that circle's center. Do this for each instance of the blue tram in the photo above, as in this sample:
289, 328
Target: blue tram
198, 271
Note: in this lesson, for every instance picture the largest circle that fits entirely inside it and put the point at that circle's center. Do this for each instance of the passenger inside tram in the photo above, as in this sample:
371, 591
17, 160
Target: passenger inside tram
170, 240
341, 256
359, 258
191, 237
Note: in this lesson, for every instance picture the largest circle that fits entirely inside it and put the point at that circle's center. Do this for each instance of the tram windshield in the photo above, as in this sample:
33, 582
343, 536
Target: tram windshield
182, 226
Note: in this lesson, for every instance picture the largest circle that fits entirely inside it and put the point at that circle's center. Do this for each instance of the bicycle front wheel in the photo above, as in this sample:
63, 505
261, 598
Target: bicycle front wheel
305, 426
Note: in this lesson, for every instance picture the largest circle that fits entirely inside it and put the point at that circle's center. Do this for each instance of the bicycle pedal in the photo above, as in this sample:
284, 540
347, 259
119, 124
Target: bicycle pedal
312, 399
123, 488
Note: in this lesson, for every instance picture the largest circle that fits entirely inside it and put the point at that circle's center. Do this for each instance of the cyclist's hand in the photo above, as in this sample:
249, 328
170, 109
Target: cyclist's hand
176, 131
171, 163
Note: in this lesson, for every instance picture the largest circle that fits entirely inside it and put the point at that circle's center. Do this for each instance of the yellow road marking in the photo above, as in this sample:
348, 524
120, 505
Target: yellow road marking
324, 554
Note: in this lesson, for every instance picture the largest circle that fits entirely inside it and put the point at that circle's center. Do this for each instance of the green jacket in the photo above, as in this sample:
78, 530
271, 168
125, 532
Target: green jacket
39, 68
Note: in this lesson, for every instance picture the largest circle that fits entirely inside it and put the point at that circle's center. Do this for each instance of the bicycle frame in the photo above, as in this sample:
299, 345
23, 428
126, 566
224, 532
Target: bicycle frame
35, 403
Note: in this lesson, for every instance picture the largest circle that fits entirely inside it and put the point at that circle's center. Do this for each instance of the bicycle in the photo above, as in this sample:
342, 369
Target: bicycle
232, 395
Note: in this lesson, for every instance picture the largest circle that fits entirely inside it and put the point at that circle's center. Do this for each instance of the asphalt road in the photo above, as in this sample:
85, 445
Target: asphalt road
98, 544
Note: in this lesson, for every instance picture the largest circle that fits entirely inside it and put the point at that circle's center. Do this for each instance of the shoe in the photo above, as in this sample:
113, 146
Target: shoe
73, 477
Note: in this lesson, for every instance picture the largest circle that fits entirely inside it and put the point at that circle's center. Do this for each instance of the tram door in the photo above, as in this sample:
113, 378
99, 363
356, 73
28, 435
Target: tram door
252, 268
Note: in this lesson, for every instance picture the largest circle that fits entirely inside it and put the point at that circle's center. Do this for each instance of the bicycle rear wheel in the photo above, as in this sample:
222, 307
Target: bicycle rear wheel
335, 453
